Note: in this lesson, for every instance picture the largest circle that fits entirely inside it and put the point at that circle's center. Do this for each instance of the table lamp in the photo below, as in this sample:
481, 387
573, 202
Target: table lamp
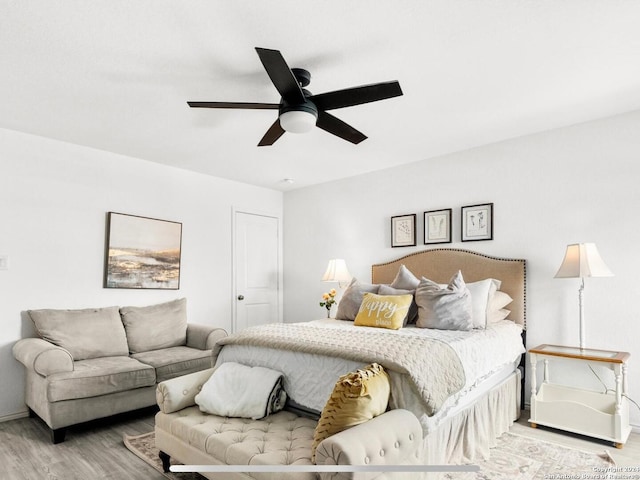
337, 272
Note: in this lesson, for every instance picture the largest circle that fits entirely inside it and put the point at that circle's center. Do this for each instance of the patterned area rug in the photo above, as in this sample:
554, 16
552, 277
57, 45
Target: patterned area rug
144, 446
514, 458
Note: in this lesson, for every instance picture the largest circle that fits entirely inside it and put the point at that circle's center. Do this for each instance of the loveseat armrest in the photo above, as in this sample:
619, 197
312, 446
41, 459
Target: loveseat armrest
393, 438
180, 392
43, 357
203, 337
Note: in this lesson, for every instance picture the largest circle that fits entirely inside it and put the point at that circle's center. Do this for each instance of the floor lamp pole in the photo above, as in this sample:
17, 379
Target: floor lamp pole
581, 300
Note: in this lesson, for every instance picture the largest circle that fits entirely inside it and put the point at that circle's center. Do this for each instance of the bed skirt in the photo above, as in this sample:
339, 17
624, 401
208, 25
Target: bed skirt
468, 436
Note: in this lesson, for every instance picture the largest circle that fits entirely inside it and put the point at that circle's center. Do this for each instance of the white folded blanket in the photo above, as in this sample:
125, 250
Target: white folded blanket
236, 390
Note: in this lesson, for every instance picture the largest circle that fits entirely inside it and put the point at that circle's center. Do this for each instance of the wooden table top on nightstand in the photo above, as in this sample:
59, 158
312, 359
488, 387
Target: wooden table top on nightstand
608, 356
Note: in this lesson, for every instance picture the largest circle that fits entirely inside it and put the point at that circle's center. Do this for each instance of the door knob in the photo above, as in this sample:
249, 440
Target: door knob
240, 297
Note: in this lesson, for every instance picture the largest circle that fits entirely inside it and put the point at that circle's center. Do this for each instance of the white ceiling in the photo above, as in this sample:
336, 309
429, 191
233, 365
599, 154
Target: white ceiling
116, 74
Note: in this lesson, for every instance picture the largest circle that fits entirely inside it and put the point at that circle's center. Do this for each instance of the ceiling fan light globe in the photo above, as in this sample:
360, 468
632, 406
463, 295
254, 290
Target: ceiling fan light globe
296, 121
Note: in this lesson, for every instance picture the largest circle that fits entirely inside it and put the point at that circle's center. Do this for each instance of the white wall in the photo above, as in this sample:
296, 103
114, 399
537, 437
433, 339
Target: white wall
53, 202
577, 184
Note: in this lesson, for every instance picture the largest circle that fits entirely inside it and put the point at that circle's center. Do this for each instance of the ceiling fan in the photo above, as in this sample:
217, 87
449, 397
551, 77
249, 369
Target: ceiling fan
299, 110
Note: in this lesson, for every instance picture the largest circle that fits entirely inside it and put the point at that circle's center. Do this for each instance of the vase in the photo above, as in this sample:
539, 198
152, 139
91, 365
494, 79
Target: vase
329, 312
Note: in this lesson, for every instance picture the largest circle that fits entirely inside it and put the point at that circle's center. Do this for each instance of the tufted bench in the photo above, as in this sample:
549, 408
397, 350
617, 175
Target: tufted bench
196, 438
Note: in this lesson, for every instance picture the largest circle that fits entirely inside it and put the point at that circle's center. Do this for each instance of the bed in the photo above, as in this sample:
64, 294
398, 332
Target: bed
464, 401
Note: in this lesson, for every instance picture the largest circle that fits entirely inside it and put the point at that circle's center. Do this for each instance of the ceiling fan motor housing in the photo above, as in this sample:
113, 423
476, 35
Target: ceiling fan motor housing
298, 117
307, 106
302, 76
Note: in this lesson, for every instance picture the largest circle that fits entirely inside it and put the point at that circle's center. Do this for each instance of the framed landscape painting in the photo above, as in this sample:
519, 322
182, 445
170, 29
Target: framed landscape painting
142, 252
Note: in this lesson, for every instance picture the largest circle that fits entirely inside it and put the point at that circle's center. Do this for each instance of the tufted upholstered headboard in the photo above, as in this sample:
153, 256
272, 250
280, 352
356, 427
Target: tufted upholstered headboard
440, 264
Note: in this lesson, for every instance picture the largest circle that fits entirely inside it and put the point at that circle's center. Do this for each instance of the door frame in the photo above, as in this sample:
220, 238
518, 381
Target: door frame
234, 307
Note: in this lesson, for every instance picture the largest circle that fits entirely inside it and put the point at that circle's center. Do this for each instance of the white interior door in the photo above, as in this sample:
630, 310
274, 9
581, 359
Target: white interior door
257, 270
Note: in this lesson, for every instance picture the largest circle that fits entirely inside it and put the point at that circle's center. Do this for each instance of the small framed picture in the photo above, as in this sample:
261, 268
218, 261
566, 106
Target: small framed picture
437, 226
477, 222
403, 230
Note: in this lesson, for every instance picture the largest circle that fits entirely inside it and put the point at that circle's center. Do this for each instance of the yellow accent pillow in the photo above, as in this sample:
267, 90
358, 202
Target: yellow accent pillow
357, 397
385, 311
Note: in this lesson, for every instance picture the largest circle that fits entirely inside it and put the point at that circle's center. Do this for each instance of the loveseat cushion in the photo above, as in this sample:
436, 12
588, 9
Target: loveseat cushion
99, 376
156, 326
279, 439
86, 333
175, 361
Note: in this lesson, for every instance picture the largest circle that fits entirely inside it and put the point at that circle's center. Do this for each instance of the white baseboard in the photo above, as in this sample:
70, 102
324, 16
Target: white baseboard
14, 416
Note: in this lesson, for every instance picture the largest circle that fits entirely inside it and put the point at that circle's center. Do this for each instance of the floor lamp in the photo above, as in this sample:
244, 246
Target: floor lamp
582, 260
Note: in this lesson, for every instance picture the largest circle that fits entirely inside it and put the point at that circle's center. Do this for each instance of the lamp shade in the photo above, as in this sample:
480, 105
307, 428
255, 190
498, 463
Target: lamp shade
583, 260
298, 121
336, 271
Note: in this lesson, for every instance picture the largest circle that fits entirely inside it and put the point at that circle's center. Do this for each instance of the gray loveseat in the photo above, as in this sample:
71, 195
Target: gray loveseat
93, 363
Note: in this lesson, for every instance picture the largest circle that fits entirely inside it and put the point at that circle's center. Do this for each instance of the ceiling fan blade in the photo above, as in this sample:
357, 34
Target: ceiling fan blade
274, 133
331, 124
249, 105
356, 95
281, 75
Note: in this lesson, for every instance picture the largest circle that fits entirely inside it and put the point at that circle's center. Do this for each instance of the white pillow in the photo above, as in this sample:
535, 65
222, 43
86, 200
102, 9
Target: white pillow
499, 300
444, 308
481, 292
498, 316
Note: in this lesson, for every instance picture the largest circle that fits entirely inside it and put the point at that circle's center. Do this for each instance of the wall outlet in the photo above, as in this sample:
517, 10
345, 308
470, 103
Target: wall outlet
4, 262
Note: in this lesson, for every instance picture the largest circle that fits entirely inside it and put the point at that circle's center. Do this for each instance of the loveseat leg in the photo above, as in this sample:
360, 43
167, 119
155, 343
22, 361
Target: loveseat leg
57, 435
166, 461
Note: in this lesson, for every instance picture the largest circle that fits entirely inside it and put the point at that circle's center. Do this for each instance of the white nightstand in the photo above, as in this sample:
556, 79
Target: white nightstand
596, 414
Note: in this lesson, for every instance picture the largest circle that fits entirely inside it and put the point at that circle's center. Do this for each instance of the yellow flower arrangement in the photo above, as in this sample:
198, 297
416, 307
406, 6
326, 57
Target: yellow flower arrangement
328, 300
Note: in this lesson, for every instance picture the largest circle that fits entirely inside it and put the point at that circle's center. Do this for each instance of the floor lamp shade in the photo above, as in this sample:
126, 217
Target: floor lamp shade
582, 260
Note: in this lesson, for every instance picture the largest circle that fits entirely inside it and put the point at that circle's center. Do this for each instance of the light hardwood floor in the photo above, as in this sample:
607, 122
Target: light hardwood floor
96, 451
90, 452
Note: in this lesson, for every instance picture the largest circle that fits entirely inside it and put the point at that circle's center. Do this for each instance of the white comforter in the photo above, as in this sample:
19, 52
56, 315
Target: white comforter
309, 378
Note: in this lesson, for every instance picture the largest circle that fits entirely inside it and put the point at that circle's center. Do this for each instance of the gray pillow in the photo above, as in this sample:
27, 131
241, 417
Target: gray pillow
405, 280
87, 333
412, 314
156, 326
351, 300
444, 308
